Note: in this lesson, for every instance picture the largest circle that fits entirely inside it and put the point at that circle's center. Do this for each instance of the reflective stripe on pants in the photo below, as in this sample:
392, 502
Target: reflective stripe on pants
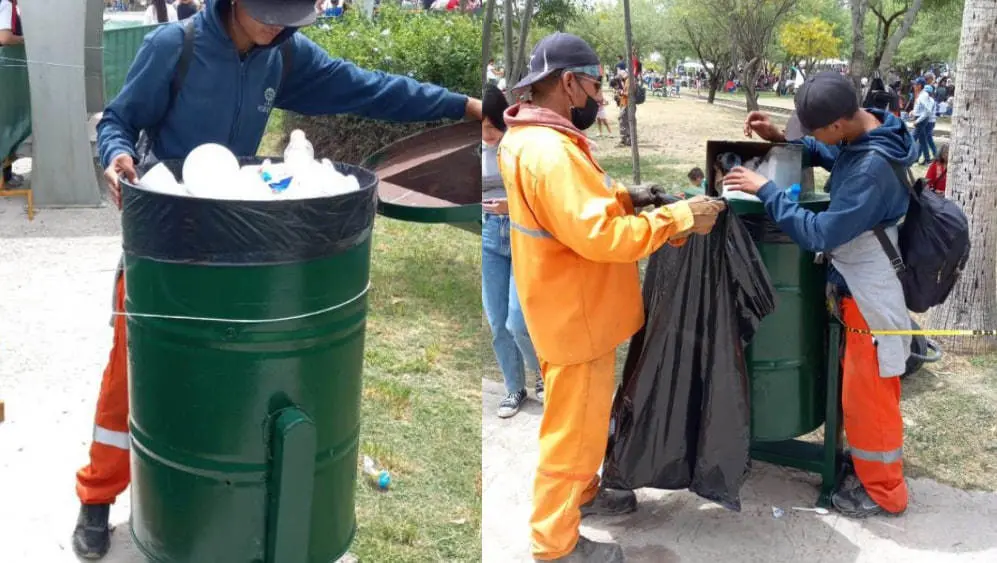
107, 475
873, 423
573, 435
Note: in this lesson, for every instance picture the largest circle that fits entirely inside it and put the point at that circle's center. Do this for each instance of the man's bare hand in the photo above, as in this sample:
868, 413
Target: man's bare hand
472, 111
496, 206
761, 124
704, 213
121, 165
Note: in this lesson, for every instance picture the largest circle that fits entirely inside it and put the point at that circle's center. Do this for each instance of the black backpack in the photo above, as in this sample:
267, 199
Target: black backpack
641, 95
934, 245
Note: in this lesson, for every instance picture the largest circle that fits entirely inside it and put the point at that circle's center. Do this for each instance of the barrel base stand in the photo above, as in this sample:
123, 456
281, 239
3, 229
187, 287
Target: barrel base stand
825, 459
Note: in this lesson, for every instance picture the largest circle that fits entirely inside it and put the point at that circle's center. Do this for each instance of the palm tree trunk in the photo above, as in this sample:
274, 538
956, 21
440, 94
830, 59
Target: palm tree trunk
631, 97
972, 176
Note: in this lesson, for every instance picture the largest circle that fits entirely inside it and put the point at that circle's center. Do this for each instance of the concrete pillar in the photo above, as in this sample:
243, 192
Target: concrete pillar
62, 173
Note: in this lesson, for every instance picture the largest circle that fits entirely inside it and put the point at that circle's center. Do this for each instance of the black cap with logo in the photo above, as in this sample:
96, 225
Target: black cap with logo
559, 51
822, 99
285, 13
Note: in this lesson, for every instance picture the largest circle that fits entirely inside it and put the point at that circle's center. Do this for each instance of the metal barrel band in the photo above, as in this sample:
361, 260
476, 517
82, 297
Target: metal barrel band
349, 301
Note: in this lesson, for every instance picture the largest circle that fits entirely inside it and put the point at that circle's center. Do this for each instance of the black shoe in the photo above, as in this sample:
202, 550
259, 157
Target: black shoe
92, 536
511, 404
856, 503
540, 389
588, 551
610, 502
15, 181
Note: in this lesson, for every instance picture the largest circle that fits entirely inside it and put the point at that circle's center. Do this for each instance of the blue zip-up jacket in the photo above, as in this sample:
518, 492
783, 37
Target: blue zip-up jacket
227, 98
864, 187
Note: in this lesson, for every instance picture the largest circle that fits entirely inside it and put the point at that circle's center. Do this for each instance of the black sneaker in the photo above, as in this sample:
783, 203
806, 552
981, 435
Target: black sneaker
856, 503
540, 389
610, 502
511, 404
588, 551
92, 536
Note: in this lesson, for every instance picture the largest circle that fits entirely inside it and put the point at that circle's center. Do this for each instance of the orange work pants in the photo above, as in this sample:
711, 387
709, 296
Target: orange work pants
107, 475
873, 423
573, 435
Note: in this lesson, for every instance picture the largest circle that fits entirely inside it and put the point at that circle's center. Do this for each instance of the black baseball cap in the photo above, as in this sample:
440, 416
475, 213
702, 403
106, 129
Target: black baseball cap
822, 99
560, 51
285, 13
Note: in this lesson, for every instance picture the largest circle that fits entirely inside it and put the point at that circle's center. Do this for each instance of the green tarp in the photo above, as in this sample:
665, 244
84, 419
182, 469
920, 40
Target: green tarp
120, 46
15, 99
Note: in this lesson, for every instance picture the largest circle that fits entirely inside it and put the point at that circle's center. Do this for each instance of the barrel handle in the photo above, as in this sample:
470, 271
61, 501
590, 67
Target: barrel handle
292, 479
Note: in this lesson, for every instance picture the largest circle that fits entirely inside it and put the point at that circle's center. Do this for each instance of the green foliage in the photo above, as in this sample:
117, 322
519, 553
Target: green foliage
554, 14
603, 28
810, 39
933, 38
442, 48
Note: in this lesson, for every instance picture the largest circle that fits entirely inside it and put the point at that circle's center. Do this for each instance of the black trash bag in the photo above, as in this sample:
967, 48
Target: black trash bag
681, 417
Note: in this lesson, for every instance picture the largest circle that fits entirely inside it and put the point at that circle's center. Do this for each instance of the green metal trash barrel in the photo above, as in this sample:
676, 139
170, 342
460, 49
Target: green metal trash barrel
787, 358
245, 348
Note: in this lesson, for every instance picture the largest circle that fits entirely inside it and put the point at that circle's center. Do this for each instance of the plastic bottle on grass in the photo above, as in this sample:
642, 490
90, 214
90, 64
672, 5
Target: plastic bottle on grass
378, 478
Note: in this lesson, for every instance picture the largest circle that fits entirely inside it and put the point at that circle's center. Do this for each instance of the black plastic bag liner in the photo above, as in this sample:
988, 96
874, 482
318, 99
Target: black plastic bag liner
681, 416
186, 229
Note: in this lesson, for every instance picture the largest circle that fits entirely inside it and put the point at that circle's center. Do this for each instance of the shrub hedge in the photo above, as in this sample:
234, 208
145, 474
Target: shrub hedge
441, 48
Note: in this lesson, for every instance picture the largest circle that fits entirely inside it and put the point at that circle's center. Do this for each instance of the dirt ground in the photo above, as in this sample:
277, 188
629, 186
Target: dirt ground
950, 450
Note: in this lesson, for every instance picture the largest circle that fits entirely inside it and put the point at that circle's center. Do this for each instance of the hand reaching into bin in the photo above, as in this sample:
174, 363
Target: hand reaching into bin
744, 180
121, 165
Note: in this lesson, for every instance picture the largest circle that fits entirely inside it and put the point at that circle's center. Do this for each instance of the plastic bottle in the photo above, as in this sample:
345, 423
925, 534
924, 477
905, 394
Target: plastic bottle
378, 478
793, 192
299, 152
277, 179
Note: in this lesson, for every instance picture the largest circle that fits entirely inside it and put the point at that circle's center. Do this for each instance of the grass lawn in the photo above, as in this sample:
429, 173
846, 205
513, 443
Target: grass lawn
422, 393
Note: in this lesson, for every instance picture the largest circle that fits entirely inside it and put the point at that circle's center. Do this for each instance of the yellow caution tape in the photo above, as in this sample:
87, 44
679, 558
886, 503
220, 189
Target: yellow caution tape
952, 332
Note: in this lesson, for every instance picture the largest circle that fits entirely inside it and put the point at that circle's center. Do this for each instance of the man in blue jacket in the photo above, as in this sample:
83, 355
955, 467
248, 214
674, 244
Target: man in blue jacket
215, 79
866, 152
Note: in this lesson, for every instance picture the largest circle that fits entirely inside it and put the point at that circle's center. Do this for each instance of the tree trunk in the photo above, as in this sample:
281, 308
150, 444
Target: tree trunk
632, 81
486, 41
715, 82
973, 174
507, 48
524, 32
748, 78
894, 41
857, 64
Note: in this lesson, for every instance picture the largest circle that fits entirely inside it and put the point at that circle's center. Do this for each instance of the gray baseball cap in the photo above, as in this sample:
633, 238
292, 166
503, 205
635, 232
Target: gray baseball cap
822, 99
559, 51
285, 13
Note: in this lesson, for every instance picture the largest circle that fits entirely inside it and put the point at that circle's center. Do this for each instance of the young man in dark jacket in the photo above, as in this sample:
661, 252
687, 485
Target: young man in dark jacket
866, 151
234, 79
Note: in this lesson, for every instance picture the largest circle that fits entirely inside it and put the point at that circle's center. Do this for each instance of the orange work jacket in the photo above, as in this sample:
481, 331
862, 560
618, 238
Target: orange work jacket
576, 243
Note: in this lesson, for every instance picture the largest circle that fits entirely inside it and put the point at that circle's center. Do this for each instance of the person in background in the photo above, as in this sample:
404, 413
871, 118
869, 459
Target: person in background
492, 73
226, 100
601, 119
923, 115
159, 12
938, 170
621, 97
576, 238
11, 33
697, 181
620, 64
862, 149
510, 338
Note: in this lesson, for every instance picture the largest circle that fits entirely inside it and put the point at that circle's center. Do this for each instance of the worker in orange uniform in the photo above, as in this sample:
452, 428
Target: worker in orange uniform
863, 149
576, 241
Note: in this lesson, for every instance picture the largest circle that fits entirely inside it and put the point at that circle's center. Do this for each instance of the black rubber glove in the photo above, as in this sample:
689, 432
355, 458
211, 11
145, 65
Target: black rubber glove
653, 194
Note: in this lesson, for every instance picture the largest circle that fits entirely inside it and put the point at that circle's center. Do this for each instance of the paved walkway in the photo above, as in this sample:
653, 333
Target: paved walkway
942, 525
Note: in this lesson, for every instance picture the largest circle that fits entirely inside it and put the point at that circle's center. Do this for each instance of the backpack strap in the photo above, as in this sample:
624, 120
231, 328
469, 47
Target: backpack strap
892, 252
146, 138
